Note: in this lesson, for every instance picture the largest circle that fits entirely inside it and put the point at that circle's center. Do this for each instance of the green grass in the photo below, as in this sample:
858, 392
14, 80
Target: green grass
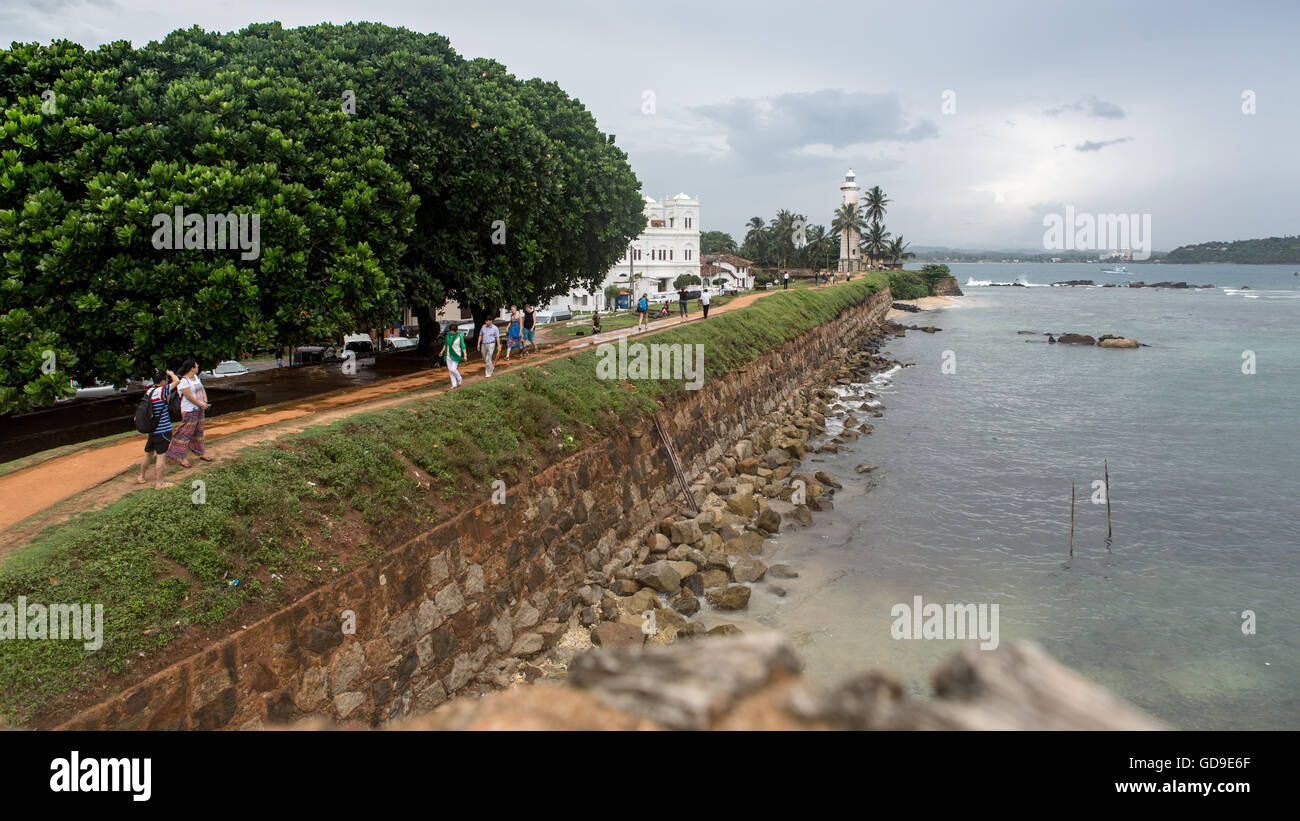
160, 563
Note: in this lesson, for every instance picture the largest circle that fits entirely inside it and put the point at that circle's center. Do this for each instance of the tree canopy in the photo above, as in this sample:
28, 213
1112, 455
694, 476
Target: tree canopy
384, 169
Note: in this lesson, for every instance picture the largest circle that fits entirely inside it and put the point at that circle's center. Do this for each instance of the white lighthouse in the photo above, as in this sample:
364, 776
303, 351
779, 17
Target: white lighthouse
849, 258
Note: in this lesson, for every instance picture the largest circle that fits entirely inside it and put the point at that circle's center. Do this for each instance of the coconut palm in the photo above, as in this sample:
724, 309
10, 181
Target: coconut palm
849, 219
874, 204
875, 243
757, 241
898, 250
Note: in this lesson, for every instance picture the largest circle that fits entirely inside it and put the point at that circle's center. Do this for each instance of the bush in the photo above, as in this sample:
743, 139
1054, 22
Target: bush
907, 285
932, 274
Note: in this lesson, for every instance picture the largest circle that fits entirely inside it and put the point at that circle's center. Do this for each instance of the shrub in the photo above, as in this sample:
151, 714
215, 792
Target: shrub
907, 285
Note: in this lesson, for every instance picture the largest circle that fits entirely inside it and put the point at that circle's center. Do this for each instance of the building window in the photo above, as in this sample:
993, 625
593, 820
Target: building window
670, 222
688, 222
670, 253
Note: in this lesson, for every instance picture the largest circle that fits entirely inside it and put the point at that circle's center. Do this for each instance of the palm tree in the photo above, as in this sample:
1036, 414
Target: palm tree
782, 235
815, 250
756, 241
873, 204
849, 220
875, 242
898, 250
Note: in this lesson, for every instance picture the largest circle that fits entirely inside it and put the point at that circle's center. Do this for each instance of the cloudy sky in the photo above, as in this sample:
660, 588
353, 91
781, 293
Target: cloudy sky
978, 119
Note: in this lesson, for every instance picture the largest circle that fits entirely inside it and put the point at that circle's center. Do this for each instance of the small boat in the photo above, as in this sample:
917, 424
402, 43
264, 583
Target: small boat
1120, 270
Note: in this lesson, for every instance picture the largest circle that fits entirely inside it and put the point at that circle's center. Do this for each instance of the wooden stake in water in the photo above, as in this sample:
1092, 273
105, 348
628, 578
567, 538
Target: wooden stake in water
1072, 518
1106, 468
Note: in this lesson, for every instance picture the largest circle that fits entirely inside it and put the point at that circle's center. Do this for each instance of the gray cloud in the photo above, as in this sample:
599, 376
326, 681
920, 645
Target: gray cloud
1089, 145
1090, 106
770, 126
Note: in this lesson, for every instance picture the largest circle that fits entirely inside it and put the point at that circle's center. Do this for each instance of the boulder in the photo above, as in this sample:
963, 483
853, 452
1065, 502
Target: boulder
639, 602
657, 542
827, 479
686, 531
1076, 339
616, 635
782, 571
747, 544
1118, 342
741, 504
660, 575
731, 597
686, 605
685, 569
748, 569
714, 578
769, 520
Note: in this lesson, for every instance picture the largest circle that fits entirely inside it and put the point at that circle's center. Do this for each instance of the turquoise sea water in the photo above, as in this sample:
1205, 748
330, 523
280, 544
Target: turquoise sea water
971, 503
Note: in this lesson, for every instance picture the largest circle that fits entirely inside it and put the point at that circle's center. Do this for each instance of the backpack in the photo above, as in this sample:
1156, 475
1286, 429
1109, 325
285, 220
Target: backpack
174, 404
144, 418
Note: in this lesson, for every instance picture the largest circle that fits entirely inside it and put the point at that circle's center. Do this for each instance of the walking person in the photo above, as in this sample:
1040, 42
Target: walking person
487, 345
787, 281
453, 347
187, 437
681, 302
515, 333
160, 438
595, 322
530, 328
704, 302
279, 355
643, 313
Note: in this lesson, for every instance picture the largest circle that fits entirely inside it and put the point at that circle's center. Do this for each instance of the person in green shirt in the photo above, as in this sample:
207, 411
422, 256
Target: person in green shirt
453, 347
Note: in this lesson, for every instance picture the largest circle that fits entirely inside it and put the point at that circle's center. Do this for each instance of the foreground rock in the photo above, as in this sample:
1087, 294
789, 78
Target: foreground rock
752, 682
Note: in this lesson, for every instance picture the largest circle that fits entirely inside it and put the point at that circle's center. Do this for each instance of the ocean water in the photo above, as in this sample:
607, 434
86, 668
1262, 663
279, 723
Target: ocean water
971, 501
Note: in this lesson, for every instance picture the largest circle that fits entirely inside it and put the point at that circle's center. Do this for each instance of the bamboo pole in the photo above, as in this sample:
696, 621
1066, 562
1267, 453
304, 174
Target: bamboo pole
1072, 518
1106, 468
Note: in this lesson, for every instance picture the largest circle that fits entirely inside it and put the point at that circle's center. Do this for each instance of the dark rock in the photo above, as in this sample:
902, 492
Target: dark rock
686, 605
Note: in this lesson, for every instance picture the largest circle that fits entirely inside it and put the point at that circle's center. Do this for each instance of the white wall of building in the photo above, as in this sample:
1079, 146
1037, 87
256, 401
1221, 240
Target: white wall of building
668, 248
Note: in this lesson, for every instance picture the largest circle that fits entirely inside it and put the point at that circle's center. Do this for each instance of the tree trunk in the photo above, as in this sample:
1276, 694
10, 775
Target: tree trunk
429, 328
482, 315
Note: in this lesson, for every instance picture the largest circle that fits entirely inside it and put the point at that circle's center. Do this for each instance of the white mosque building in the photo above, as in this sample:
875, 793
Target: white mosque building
667, 248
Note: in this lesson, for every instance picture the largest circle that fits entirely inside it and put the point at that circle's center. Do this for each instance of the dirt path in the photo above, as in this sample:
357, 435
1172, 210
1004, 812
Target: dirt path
95, 475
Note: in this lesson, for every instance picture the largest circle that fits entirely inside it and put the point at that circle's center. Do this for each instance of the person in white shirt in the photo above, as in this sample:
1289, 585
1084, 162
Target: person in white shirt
487, 344
704, 302
188, 436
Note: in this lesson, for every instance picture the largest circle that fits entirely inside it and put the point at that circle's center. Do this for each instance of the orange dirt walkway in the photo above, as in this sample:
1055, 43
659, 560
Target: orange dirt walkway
29, 491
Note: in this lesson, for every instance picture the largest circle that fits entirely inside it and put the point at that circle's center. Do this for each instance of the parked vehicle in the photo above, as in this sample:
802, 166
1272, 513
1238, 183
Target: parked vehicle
558, 315
360, 344
225, 369
97, 390
400, 343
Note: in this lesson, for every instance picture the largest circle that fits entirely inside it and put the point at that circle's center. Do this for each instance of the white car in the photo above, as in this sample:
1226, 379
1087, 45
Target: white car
400, 343
547, 317
228, 368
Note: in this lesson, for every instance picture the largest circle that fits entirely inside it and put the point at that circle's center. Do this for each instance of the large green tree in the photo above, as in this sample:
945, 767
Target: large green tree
383, 166
98, 144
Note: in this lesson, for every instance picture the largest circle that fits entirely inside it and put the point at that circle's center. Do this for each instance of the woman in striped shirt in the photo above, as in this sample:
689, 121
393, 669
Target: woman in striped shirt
164, 382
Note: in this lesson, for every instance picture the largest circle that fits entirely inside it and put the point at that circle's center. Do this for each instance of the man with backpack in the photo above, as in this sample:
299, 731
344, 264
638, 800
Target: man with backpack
160, 427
